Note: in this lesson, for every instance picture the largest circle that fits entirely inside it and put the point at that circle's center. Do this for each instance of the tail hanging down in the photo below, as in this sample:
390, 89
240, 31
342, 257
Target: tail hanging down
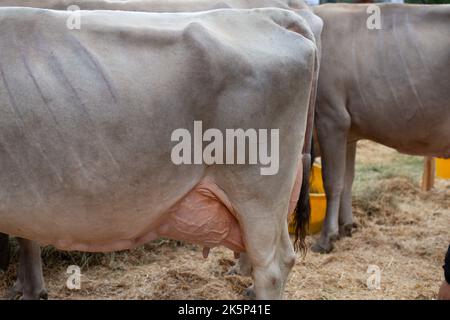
302, 211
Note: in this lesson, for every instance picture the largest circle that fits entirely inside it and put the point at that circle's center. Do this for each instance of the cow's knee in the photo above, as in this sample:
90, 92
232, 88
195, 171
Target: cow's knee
268, 282
289, 261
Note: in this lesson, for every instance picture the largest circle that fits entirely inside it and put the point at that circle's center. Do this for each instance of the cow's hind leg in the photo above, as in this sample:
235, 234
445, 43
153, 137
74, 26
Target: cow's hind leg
346, 224
242, 267
270, 252
332, 132
30, 281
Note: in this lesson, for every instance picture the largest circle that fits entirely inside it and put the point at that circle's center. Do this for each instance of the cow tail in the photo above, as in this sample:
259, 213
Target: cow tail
302, 211
4, 251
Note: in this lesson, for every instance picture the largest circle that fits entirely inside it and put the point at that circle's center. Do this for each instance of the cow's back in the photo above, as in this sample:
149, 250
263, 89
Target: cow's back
155, 5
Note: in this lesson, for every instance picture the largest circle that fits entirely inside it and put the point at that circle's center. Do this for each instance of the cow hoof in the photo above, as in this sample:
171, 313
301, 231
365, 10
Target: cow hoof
319, 247
250, 292
40, 295
43, 295
335, 238
346, 230
232, 271
14, 294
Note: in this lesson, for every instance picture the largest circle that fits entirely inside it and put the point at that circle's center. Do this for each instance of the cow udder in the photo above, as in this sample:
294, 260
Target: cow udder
202, 218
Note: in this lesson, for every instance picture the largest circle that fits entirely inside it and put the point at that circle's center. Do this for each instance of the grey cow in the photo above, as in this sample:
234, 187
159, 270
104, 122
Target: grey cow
87, 117
390, 85
298, 6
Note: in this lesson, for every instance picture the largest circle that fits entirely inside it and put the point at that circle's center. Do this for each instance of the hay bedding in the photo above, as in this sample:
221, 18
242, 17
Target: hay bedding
402, 230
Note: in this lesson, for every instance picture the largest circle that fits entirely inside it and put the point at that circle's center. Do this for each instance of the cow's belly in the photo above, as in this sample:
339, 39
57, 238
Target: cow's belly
203, 216
425, 136
409, 125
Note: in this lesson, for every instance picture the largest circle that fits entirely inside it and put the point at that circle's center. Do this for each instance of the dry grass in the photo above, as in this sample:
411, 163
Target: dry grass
402, 230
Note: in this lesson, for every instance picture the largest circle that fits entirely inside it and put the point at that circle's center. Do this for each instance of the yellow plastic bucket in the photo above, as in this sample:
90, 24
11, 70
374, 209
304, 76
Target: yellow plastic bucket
318, 202
318, 211
316, 182
443, 168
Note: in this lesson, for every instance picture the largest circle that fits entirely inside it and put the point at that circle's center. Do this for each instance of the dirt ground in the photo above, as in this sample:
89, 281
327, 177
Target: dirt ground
402, 230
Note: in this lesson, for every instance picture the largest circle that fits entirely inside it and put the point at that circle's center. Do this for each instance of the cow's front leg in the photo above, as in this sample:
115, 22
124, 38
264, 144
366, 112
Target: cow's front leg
270, 253
332, 134
346, 224
30, 281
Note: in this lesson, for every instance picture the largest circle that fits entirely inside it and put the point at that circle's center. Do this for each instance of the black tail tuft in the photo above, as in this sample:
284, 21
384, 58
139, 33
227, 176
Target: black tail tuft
303, 209
4, 251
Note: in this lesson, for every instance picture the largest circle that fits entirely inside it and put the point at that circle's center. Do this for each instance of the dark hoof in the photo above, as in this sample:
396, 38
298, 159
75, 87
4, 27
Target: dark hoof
346, 230
250, 292
335, 238
42, 295
14, 294
232, 272
319, 247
